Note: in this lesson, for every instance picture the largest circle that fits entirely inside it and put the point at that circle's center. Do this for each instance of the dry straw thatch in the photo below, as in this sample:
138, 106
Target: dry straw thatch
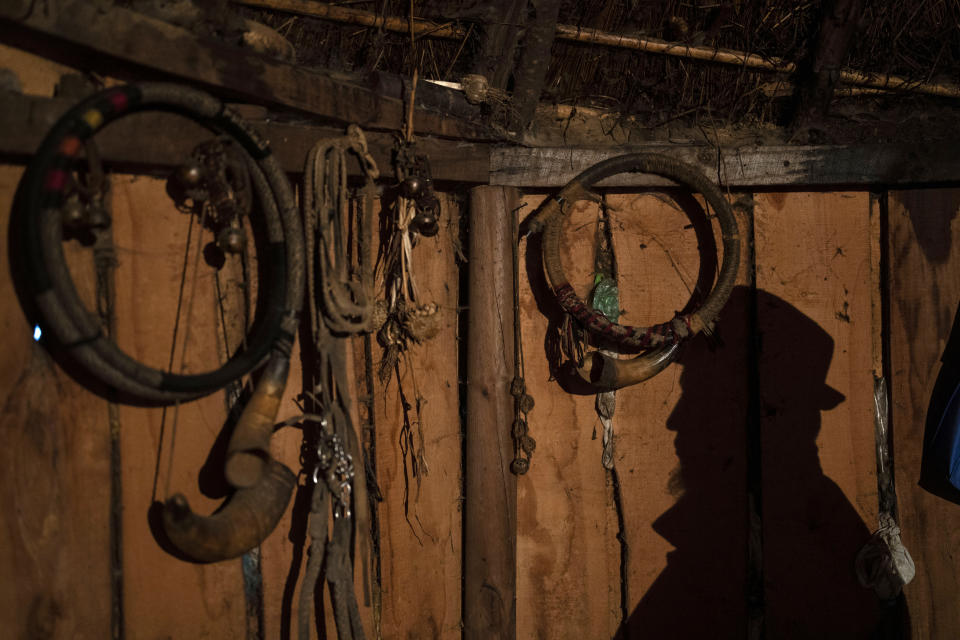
918, 41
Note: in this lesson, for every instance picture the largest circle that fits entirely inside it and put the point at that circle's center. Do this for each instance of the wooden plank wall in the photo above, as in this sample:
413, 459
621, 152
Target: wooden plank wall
566, 527
682, 446
681, 449
813, 266
55, 495
760, 438
56, 530
60, 540
421, 517
924, 255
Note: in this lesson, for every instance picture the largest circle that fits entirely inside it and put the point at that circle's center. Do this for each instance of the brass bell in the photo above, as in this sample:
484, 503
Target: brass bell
519, 466
411, 187
232, 240
425, 223
97, 216
72, 213
189, 176
214, 255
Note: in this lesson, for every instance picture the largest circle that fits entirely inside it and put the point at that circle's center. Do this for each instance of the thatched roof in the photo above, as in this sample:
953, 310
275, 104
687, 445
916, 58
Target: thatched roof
655, 96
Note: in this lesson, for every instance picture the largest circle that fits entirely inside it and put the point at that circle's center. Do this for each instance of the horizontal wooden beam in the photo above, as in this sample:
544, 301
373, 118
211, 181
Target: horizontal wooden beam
772, 166
134, 46
158, 140
153, 140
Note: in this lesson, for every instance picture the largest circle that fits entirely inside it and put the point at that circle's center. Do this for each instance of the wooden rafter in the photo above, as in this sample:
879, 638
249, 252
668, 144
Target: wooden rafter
148, 141
837, 28
498, 44
532, 66
128, 44
158, 141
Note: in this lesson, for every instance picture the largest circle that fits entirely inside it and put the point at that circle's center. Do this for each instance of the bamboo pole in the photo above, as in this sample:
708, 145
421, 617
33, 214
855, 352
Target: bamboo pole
749, 60
676, 49
334, 13
490, 489
573, 33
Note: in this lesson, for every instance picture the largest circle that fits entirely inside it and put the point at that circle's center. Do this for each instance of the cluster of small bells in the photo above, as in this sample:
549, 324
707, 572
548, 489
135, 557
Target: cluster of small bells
200, 183
85, 210
420, 190
80, 215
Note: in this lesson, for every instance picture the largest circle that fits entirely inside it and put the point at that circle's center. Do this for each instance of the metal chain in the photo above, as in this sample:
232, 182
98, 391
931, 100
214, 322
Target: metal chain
335, 467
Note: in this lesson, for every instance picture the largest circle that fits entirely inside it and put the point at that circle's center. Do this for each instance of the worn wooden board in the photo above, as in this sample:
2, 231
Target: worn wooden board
814, 322
165, 451
681, 445
751, 166
120, 41
56, 482
924, 277
567, 557
36, 76
421, 541
55, 488
160, 141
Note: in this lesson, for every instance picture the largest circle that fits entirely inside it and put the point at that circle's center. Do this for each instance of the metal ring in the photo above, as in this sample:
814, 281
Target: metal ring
606, 371
51, 289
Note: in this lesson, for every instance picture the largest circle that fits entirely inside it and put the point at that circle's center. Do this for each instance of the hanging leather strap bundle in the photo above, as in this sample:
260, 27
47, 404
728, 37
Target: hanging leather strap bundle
341, 305
661, 340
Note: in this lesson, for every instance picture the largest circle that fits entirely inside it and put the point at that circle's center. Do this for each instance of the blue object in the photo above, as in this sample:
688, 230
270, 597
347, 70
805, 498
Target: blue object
37, 333
940, 464
945, 439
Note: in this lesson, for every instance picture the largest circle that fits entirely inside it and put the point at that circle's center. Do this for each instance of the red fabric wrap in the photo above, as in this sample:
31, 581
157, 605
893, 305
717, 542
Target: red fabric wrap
597, 323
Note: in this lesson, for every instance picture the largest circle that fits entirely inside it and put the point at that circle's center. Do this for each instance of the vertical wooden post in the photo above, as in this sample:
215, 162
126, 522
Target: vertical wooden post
490, 535
532, 67
498, 43
840, 20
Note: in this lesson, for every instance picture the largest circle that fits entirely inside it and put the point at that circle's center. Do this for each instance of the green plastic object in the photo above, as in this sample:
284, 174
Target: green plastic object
605, 297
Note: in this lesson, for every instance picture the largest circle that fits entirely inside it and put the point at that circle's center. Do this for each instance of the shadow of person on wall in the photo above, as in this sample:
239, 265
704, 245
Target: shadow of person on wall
811, 532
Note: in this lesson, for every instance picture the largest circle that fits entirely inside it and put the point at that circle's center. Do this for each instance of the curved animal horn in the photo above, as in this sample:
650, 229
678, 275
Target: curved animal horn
608, 372
249, 447
242, 523
264, 486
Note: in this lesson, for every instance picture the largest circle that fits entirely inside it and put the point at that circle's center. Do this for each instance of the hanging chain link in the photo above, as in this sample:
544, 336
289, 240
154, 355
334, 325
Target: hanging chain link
335, 467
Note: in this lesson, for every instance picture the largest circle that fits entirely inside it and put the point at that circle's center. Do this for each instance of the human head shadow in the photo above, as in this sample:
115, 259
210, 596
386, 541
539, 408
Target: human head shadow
565, 372
775, 390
